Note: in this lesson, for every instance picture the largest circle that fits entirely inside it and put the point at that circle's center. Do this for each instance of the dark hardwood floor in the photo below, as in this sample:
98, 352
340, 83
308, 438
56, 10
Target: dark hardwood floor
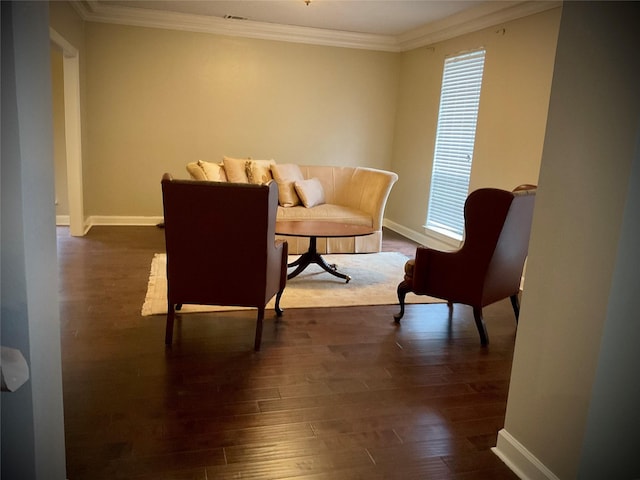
335, 393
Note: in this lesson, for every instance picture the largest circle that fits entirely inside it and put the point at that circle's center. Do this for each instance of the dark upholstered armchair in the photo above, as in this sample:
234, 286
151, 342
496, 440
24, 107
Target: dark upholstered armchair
488, 266
221, 247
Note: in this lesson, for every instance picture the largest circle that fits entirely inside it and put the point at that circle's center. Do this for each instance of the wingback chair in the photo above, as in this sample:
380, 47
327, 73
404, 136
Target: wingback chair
221, 247
488, 266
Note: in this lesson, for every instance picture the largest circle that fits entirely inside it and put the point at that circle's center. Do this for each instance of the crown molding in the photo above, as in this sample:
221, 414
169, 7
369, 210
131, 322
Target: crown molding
92, 11
485, 15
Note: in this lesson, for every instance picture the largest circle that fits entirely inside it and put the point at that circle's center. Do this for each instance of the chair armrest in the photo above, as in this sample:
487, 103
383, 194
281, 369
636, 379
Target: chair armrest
456, 276
420, 270
281, 252
435, 269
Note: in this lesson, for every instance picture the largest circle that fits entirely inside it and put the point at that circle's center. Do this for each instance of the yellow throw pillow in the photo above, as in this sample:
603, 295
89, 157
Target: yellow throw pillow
236, 169
286, 175
259, 171
195, 171
213, 172
310, 192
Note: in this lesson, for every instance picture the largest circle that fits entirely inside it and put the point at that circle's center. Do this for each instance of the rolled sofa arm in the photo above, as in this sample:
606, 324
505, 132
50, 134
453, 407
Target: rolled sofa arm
369, 190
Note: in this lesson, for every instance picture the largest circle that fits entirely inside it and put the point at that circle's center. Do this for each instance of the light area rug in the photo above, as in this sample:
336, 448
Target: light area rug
374, 280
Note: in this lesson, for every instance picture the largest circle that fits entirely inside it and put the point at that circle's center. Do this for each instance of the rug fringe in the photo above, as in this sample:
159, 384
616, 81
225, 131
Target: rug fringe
147, 306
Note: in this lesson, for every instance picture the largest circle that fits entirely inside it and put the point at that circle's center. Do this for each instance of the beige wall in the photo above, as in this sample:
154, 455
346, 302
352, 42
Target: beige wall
590, 145
64, 19
158, 99
511, 119
154, 100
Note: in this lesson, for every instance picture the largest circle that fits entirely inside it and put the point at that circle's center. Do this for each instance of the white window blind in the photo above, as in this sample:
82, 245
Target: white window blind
455, 139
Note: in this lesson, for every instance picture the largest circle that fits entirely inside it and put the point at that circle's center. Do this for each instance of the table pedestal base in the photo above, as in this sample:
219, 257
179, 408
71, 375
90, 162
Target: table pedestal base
312, 256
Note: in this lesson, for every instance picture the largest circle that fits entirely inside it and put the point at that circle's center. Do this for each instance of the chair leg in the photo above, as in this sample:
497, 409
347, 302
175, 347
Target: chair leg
450, 308
403, 288
515, 303
258, 340
482, 330
277, 306
168, 335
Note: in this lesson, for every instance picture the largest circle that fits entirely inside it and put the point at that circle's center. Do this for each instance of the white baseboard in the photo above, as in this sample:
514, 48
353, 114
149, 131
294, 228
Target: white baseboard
116, 220
120, 220
63, 220
421, 238
108, 220
522, 462
141, 221
405, 232
111, 220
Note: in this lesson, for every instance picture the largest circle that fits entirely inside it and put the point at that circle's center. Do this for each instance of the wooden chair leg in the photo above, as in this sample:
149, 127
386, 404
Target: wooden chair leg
482, 330
258, 340
450, 309
277, 306
403, 288
168, 335
515, 303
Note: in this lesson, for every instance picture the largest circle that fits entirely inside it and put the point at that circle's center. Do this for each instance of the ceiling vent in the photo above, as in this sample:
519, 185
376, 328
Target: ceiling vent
235, 17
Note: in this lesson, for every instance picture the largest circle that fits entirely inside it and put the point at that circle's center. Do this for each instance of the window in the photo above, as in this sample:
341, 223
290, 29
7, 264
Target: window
455, 139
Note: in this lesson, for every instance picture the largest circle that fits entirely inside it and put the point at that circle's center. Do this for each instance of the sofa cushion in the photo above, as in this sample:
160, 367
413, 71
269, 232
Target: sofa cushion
326, 212
213, 172
310, 192
286, 175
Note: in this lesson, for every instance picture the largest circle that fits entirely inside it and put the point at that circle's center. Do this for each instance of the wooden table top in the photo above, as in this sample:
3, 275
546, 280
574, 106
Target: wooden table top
315, 228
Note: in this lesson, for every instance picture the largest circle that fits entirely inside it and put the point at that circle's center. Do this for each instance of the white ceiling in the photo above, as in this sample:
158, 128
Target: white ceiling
381, 17
386, 25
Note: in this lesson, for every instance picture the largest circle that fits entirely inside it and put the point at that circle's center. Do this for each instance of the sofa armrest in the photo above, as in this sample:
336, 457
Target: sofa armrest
361, 188
369, 190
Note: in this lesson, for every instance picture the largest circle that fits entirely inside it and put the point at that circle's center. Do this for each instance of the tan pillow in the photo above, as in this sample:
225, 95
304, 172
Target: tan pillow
213, 172
286, 175
236, 169
195, 171
310, 192
259, 171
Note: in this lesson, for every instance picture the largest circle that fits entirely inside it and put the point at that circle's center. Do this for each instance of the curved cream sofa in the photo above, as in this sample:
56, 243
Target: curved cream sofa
356, 195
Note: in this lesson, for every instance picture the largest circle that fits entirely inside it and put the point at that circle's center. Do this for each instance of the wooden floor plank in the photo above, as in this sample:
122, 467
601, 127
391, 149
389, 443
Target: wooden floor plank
335, 393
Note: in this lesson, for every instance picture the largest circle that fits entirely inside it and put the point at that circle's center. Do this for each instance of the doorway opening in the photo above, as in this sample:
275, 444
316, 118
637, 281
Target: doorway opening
73, 133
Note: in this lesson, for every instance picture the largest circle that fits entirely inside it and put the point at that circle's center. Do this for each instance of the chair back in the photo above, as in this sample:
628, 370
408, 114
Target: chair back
220, 241
488, 266
498, 227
